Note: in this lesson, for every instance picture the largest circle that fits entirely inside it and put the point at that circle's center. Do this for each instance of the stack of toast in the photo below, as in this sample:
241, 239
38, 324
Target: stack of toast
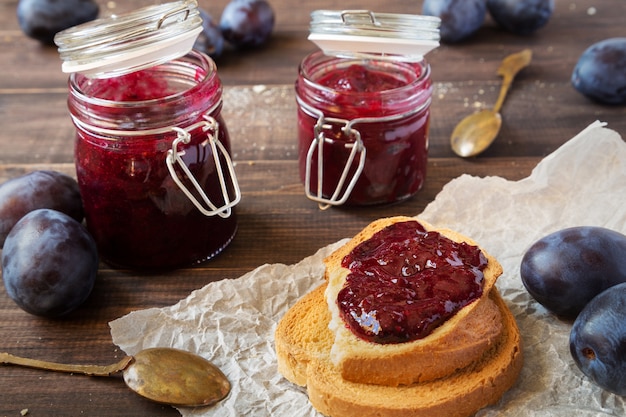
463, 365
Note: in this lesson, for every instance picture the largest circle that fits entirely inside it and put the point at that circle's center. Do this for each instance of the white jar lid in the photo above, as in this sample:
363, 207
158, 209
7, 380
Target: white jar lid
132, 41
364, 33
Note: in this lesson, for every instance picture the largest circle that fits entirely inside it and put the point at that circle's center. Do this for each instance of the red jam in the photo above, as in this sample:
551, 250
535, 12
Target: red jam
405, 281
392, 98
360, 79
136, 86
137, 214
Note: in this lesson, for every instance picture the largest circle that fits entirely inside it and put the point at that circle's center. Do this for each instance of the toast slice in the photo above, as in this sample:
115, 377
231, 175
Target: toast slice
460, 340
303, 341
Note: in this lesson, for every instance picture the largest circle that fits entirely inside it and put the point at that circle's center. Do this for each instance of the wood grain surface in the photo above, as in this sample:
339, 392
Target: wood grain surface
277, 224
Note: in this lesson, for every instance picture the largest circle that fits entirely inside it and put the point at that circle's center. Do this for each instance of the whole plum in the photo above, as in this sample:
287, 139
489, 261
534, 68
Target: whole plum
459, 18
42, 19
598, 340
600, 72
564, 270
49, 263
35, 190
521, 17
247, 23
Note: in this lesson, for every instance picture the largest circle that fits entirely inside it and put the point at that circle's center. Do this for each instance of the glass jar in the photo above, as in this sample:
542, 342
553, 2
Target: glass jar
363, 121
152, 160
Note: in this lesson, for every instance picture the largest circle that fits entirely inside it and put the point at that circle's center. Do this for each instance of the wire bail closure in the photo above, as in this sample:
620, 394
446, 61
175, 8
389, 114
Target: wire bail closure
356, 148
174, 156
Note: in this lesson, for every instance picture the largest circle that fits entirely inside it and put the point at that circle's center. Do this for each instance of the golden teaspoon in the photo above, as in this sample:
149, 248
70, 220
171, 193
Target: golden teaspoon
477, 131
164, 375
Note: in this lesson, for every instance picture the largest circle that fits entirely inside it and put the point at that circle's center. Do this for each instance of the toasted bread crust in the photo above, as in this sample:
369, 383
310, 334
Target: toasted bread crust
303, 334
406, 363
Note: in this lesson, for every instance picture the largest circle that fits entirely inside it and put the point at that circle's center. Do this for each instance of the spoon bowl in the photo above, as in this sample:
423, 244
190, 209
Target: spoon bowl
476, 132
175, 377
164, 375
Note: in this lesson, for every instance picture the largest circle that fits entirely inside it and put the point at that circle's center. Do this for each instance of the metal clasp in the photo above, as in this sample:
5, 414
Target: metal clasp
367, 14
184, 8
209, 125
319, 142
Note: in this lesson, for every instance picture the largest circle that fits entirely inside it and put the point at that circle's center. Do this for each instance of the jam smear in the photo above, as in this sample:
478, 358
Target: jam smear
404, 282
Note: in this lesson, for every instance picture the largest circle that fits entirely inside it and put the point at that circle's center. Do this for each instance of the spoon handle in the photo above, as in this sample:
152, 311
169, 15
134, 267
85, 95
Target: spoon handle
92, 370
508, 69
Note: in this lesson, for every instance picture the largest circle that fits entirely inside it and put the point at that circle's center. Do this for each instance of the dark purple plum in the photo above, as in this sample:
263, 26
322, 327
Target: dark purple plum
564, 270
598, 340
42, 19
247, 23
35, 190
459, 18
600, 73
521, 17
210, 41
49, 263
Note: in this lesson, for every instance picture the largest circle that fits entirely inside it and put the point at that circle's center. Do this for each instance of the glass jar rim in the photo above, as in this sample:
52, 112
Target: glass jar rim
363, 33
158, 113
131, 41
319, 61
315, 98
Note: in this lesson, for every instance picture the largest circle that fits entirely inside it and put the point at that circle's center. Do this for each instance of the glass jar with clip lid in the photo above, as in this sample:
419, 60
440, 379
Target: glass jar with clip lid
152, 151
364, 106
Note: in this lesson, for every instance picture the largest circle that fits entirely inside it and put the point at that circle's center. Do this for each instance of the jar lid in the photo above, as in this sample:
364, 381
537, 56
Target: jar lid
132, 41
351, 33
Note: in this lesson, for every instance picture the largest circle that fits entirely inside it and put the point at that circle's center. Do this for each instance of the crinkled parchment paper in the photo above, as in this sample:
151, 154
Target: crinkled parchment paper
232, 322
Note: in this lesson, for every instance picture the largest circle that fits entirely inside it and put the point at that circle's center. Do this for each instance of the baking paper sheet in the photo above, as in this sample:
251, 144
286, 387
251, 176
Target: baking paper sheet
232, 322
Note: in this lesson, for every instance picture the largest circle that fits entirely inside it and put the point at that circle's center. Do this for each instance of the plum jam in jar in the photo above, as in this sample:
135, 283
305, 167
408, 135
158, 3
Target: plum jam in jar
364, 107
152, 151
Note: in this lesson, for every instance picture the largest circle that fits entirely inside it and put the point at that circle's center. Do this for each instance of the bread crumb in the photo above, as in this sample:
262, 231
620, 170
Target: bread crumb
24, 412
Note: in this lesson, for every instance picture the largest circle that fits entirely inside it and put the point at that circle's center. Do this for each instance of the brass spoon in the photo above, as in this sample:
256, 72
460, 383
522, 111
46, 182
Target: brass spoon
164, 375
477, 131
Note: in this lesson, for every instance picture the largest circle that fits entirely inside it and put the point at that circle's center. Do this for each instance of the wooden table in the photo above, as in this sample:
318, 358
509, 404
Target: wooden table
277, 224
